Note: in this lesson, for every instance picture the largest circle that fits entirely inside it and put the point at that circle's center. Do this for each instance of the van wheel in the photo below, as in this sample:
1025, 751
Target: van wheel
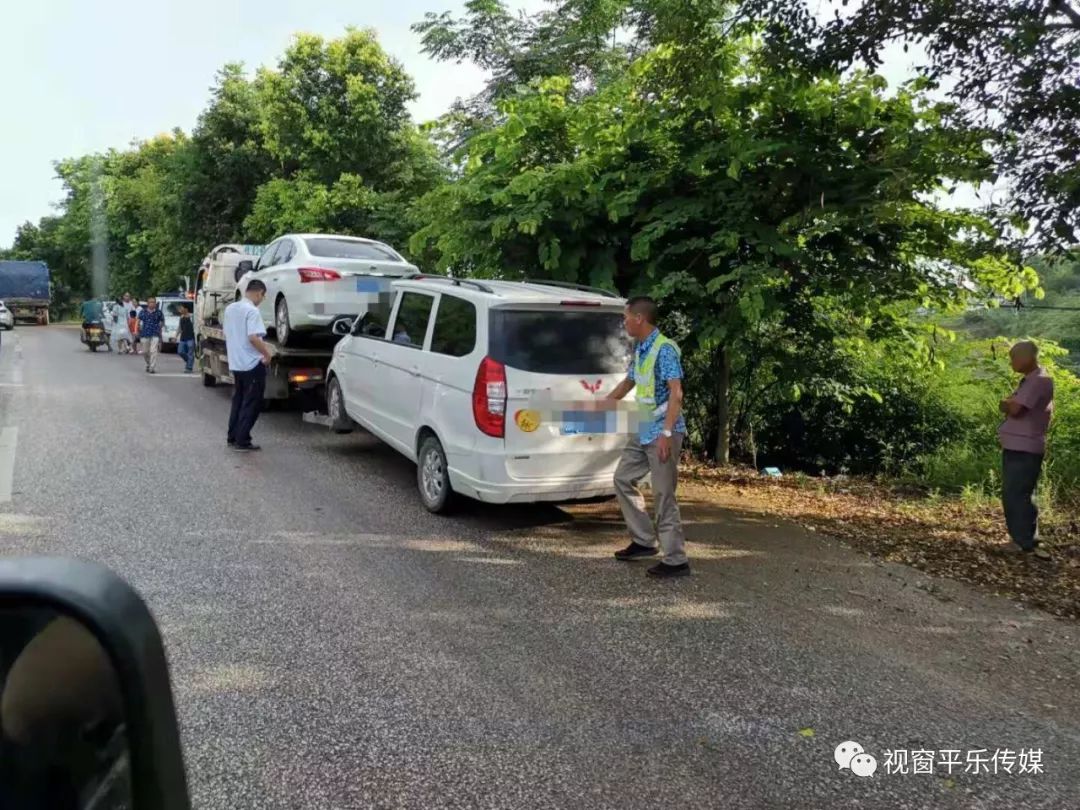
335, 408
433, 478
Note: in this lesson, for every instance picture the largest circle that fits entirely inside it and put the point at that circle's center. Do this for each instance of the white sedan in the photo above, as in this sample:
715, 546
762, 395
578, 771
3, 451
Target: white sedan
7, 319
311, 279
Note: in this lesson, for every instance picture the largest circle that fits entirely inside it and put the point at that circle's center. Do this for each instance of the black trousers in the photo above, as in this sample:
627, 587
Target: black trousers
1019, 477
247, 400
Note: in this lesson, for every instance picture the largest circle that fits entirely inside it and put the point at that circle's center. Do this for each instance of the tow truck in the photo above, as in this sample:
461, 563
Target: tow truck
298, 372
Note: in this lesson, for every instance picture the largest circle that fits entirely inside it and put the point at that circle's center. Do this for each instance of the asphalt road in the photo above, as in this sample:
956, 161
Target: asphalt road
333, 645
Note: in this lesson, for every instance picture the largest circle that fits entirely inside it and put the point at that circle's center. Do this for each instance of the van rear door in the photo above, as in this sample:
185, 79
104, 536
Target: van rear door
553, 355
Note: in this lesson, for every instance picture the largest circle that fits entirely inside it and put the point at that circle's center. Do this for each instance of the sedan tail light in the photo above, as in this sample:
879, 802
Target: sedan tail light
489, 398
310, 274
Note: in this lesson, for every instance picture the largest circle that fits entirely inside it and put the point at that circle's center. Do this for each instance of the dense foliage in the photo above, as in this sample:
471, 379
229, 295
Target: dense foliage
1012, 65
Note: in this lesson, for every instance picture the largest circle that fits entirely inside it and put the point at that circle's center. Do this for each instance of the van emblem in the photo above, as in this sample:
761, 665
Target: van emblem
592, 388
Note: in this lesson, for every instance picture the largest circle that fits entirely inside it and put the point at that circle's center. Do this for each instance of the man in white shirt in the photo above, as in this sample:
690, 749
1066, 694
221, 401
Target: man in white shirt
248, 358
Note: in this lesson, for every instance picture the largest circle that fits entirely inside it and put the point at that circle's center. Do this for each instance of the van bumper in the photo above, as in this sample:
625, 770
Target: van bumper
546, 491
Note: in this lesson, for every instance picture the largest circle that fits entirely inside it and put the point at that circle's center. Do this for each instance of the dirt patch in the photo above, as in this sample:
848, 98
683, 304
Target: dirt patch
949, 537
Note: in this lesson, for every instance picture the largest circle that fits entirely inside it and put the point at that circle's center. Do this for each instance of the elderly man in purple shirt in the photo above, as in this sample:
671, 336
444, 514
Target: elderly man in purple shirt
1023, 444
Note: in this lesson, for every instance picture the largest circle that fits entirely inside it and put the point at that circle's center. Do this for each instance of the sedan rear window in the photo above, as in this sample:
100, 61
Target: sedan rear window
563, 341
329, 248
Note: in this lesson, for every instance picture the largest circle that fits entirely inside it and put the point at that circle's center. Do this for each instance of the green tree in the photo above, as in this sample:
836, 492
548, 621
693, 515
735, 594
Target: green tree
749, 199
334, 119
1013, 66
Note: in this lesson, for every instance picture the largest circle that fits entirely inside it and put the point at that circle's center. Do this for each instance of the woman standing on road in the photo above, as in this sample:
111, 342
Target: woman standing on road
121, 333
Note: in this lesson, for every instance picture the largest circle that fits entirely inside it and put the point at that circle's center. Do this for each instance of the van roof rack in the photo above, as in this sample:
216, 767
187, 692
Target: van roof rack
570, 285
457, 282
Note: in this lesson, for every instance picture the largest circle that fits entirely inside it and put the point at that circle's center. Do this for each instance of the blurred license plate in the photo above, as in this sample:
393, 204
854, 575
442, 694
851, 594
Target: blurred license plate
367, 285
580, 422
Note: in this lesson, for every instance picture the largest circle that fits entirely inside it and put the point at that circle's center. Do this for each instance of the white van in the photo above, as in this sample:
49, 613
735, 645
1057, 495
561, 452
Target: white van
473, 380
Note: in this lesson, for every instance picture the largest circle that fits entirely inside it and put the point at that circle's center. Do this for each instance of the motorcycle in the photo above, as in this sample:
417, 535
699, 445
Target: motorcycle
94, 335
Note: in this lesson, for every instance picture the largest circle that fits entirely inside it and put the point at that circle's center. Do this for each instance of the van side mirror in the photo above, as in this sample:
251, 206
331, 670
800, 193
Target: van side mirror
86, 706
243, 267
342, 326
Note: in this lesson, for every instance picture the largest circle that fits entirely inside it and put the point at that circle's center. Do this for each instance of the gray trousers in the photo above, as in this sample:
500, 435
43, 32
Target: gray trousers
1019, 477
151, 347
637, 461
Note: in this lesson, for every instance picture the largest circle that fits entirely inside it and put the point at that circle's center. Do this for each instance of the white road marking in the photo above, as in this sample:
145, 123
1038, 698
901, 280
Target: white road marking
15, 352
159, 374
9, 439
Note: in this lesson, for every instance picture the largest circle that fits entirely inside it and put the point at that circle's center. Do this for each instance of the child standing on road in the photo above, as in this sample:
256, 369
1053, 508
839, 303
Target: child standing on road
133, 327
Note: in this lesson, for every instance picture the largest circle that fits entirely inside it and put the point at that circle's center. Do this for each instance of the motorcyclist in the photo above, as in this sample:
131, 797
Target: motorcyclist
91, 312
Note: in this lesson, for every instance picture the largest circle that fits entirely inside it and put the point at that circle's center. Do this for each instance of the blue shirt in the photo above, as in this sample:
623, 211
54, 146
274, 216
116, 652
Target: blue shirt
150, 323
242, 320
668, 367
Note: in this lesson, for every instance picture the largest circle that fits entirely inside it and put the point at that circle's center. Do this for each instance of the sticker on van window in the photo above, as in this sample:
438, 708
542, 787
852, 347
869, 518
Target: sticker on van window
527, 420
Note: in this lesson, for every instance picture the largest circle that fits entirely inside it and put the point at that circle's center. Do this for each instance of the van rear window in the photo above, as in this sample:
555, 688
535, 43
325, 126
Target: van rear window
564, 341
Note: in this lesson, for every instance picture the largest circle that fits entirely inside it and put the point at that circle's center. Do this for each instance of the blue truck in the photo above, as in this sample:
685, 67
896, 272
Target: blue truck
24, 289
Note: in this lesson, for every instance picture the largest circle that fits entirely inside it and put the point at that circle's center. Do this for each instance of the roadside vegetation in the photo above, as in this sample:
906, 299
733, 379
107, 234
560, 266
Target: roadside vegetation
743, 163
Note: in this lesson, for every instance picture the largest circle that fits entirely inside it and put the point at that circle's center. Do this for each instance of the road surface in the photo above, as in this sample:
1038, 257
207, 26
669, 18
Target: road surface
333, 645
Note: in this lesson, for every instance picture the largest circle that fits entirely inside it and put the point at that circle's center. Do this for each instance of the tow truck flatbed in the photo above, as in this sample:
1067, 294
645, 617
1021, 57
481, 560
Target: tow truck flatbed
292, 369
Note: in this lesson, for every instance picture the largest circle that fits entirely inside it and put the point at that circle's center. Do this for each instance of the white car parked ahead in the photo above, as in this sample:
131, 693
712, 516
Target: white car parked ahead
172, 307
460, 376
313, 278
7, 318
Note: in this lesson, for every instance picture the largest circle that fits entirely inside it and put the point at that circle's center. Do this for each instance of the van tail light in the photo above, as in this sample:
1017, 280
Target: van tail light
310, 274
489, 398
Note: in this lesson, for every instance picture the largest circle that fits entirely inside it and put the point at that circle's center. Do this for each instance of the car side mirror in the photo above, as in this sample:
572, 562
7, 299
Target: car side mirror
86, 706
342, 326
244, 267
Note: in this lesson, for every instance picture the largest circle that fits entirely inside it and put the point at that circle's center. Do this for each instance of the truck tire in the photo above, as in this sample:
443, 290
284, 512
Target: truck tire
208, 379
335, 408
433, 478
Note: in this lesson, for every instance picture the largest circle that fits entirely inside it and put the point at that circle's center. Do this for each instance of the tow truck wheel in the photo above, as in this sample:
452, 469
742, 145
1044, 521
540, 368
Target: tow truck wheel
433, 478
335, 408
209, 380
281, 322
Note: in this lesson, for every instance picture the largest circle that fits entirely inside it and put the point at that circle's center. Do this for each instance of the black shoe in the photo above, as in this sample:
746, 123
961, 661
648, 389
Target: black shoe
635, 551
246, 448
664, 571
230, 442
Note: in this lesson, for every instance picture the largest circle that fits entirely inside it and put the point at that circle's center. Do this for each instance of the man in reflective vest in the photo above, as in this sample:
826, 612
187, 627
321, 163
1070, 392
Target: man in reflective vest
655, 376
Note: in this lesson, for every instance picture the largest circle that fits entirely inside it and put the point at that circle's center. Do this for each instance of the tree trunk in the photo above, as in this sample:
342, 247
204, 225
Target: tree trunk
723, 408
753, 445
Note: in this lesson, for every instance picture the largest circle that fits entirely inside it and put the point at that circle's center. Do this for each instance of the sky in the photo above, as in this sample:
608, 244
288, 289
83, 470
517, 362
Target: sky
78, 77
